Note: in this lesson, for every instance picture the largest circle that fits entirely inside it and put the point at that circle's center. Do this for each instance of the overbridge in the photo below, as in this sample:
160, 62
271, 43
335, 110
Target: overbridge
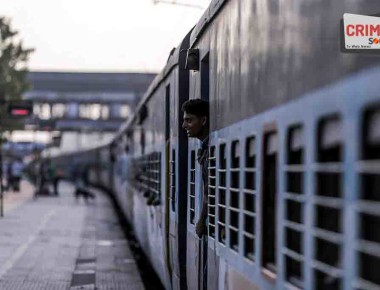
76, 101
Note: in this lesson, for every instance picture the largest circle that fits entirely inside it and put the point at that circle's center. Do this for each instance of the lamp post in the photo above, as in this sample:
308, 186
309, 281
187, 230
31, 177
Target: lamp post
15, 110
2, 102
1, 174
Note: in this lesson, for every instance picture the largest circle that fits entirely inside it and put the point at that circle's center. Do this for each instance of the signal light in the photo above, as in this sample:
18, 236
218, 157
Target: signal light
20, 109
20, 112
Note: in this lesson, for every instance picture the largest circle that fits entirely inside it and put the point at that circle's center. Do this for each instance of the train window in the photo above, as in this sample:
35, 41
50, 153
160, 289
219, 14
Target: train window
296, 144
370, 227
222, 194
369, 269
234, 195
249, 198
329, 139
326, 281
148, 181
371, 134
369, 212
140, 176
192, 186
329, 184
142, 141
328, 203
294, 205
269, 250
370, 179
172, 179
156, 164
149, 177
211, 193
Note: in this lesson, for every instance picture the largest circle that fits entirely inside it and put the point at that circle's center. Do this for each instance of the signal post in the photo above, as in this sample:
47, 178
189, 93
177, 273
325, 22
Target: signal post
15, 110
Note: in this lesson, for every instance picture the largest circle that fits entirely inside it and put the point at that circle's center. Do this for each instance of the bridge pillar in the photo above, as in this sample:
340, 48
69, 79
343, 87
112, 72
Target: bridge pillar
72, 110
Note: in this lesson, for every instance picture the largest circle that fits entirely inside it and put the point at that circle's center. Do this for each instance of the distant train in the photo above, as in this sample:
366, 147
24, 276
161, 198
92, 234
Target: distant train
294, 167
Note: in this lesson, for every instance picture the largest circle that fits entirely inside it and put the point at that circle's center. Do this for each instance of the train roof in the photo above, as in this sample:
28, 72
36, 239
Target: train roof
173, 61
212, 10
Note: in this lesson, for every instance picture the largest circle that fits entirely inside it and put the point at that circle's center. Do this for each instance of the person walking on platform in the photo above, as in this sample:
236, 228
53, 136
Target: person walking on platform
58, 174
195, 122
16, 170
41, 178
52, 176
8, 175
80, 178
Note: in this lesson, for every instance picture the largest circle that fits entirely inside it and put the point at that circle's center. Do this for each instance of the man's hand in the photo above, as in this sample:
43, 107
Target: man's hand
200, 228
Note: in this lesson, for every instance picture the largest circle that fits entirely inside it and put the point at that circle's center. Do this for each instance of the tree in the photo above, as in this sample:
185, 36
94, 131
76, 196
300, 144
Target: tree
13, 62
13, 72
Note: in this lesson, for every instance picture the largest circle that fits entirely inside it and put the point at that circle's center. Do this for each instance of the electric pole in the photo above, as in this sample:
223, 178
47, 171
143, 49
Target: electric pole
175, 2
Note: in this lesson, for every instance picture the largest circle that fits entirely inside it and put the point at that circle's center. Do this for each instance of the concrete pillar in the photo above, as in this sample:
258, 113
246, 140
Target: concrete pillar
72, 110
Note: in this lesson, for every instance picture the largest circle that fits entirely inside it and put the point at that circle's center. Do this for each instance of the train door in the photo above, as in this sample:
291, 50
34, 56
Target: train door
176, 146
170, 187
203, 245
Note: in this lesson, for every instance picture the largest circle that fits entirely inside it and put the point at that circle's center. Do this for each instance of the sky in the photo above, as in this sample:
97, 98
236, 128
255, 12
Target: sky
100, 35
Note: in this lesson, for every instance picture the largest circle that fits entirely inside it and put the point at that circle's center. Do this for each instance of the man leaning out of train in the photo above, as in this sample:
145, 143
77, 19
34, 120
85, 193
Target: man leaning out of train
196, 124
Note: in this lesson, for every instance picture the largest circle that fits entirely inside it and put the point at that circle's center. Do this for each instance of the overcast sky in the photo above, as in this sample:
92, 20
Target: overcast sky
100, 35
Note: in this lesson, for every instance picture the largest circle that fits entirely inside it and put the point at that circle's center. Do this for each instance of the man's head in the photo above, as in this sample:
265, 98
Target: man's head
195, 118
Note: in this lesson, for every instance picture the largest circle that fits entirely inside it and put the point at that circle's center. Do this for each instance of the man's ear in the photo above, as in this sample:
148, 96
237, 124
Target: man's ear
204, 121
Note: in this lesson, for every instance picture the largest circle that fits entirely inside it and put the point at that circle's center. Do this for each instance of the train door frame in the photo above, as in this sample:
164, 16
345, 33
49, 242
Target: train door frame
177, 148
167, 182
203, 243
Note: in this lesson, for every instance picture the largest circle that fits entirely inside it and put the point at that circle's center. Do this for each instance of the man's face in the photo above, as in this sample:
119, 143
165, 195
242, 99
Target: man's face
193, 124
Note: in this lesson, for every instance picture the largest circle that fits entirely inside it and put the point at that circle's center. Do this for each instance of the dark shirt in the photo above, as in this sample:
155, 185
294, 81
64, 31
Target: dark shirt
203, 161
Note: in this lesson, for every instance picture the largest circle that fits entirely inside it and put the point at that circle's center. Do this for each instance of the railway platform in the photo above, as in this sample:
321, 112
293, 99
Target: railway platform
61, 243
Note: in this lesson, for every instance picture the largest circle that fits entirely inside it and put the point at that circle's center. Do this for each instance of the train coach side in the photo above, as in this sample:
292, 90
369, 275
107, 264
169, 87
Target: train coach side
294, 154
155, 202
292, 169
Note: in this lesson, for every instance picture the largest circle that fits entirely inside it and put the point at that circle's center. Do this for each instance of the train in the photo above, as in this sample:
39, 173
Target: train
294, 153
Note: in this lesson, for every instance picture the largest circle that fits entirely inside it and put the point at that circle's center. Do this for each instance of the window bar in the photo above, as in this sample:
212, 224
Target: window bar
222, 194
249, 200
211, 193
368, 244
328, 220
192, 187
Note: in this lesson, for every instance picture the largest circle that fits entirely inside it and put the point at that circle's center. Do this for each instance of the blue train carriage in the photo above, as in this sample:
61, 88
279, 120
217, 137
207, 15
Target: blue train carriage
66, 163
294, 166
154, 204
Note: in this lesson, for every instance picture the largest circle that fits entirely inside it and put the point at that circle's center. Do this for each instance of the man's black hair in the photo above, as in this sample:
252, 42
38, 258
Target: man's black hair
197, 107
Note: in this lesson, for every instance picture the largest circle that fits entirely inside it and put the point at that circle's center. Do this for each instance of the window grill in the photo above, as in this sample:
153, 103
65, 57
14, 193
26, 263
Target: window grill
149, 177
368, 244
192, 187
328, 204
269, 193
155, 169
222, 194
142, 177
234, 195
249, 210
211, 191
294, 200
172, 179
